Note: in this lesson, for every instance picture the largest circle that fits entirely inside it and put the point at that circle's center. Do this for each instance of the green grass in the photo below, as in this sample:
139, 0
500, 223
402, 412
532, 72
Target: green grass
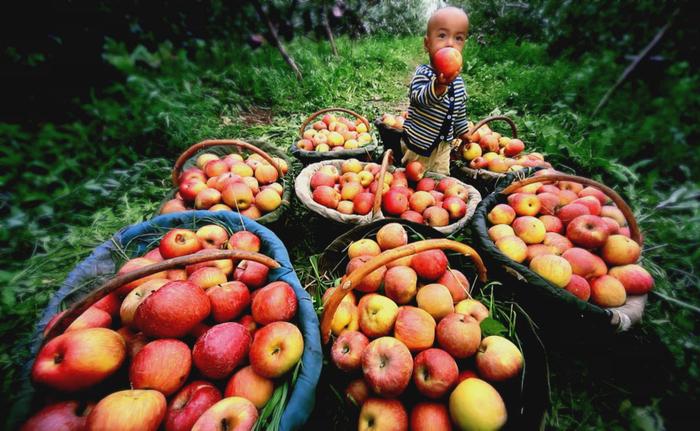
69, 187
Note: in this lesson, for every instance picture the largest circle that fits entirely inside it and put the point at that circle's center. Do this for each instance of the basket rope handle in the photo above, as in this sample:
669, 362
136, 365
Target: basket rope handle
386, 161
612, 194
177, 169
494, 118
331, 305
114, 283
323, 111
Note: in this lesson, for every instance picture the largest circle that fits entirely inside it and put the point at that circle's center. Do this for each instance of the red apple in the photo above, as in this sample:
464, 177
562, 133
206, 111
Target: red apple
412, 216
459, 335
228, 300
347, 350
179, 242
552, 223
252, 274
394, 202
190, 188
425, 185
498, 359
635, 279
421, 200
585, 263
426, 416
134, 264
447, 61
524, 204
382, 414
436, 216
415, 328
326, 196
162, 314
363, 203
276, 349
415, 171
587, 231
221, 349
357, 392
473, 308
387, 365
251, 386
274, 302
189, 404
244, 240
109, 304
591, 202
430, 264
162, 365
231, 413
128, 410
607, 291
212, 236
579, 287
570, 211
434, 372
455, 206
63, 415
400, 284
372, 281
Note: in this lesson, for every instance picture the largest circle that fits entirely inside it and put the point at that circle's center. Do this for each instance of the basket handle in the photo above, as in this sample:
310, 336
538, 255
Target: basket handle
494, 118
612, 194
386, 160
114, 283
313, 116
331, 305
177, 169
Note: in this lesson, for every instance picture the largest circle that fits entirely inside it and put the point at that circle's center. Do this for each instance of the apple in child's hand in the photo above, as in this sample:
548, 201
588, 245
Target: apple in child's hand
137, 410
231, 413
189, 404
448, 61
221, 349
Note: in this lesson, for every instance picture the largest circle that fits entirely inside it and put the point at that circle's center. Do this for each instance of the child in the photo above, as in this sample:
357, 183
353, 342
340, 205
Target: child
437, 115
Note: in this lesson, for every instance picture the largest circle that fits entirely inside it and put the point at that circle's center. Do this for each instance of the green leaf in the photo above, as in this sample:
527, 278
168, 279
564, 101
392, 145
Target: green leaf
491, 326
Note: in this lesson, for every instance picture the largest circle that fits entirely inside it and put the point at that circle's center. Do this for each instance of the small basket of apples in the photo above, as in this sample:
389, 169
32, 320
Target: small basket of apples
231, 175
488, 155
575, 245
346, 191
168, 342
409, 346
334, 137
390, 129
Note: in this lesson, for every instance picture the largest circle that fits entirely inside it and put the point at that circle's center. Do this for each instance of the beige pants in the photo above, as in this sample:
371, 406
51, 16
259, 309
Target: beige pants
438, 161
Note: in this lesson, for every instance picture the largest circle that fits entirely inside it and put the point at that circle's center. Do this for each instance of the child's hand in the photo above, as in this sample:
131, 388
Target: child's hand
442, 79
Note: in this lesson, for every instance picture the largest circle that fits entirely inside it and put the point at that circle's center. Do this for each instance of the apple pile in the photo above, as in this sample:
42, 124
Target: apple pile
500, 154
574, 237
335, 133
407, 193
416, 331
250, 186
201, 346
394, 121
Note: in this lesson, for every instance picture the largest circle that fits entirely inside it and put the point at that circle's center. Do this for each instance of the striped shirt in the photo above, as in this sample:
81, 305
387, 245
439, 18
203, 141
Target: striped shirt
431, 118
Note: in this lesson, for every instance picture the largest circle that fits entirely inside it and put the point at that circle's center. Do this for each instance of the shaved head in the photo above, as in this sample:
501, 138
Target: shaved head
449, 13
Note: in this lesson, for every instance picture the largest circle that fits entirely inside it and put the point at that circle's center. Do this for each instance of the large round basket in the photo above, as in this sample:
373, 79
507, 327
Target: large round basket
365, 153
527, 399
391, 137
86, 284
560, 314
302, 187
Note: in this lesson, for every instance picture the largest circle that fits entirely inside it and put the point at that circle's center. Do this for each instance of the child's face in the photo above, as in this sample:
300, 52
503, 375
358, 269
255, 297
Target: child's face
446, 28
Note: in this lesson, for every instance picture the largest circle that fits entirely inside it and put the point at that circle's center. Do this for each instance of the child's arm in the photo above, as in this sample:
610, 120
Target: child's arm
461, 126
426, 89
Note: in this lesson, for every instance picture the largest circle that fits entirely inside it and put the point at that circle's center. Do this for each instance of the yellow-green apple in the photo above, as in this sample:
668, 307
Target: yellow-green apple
552, 223
137, 410
530, 229
266, 174
244, 240
179, 242
205, 158
319, 179
248, 384
587, 231
499, 231
363, 202
276, 349
62, 415
455, 207
607, 291
220, 207
387, 365
221, 349
134, 264
592, 191
391, 235
579, 287
377, 315
513, 247
365, 178
79, 359
363, 247
252, 274
231, 413
207, 198
349, 177
429, 264
570, 211
415, 328
242, 169
379, 414
620, 250
268, 200
498, 359
162, 314
212, 236
585, 263
549, 202
372, 281
330, 170
207, 277
420, 201
190, 188
134, 340
132, 301
430, 416
498, 165
306, 144
400, 284
635, 279
415, 171
552, 268
279, 188
238, 196
456, 282
476, 405
524, 204
350, 190
189, 404
346, 318
471, 151
566, 197
558, 242
537, 250
436, 216
357, 392
228, 300
436, 299
614, 213
347, 349
309, 133
162, 365
501, 214
425, 185
459, 335
472, 307
215, 167
591, 202
351, 165
570, 185
173, 206
434, 372
274, 302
